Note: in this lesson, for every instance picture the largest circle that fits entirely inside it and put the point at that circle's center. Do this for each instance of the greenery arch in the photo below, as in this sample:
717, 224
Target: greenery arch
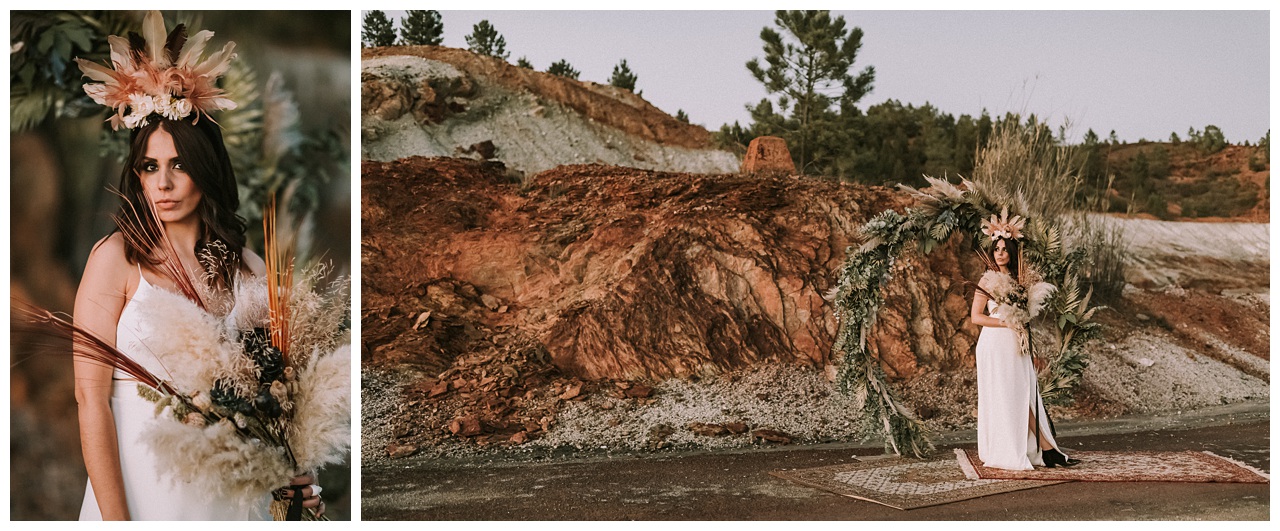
943, 210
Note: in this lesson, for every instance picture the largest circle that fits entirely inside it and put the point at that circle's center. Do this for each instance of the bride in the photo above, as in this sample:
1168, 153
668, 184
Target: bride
178, 171
1013, 428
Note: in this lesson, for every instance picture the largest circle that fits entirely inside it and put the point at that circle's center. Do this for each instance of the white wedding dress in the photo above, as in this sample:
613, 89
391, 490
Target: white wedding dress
1007, 391
150, 494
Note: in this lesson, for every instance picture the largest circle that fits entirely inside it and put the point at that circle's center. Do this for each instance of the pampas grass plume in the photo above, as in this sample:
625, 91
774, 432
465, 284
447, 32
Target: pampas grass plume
188, 342
1038, 295
250, 309
218, 458
320, 433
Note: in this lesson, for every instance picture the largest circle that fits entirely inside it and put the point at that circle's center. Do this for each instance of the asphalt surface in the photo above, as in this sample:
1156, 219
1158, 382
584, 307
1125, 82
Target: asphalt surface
735, 485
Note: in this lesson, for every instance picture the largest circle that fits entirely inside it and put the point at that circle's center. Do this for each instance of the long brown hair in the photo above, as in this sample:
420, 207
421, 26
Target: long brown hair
200, 146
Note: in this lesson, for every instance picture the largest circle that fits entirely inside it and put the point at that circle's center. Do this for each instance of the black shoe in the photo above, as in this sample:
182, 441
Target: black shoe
1052, 458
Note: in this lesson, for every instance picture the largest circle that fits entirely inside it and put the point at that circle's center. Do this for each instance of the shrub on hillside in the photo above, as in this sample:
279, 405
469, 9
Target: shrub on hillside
1225, 197
1257, 162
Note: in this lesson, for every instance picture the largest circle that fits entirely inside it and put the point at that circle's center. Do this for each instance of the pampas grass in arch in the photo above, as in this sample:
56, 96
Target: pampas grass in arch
1023, 166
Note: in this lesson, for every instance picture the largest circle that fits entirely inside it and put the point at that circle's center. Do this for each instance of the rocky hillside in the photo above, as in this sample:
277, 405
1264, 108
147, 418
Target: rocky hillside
437, 101
1190, 183
621, 273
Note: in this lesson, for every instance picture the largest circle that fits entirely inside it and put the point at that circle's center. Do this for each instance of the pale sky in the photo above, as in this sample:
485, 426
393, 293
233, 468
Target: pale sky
1144, 74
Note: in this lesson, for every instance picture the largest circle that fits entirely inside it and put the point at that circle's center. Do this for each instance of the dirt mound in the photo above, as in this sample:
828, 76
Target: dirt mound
437, 101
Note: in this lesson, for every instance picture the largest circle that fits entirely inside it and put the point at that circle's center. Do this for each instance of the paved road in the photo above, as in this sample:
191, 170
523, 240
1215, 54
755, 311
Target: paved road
736, 485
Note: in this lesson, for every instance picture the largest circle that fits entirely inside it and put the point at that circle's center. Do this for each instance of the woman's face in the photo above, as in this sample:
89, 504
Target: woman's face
165, 180
1000, 254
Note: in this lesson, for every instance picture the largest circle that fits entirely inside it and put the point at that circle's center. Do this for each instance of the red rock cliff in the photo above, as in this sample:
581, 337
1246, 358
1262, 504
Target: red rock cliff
625, 273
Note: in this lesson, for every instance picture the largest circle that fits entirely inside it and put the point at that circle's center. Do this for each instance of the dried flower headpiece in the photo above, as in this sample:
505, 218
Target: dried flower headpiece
154, 74
1004, 226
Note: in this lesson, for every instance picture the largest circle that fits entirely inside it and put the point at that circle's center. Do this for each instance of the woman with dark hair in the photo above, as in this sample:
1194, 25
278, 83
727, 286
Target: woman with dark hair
177, 178
1013, 427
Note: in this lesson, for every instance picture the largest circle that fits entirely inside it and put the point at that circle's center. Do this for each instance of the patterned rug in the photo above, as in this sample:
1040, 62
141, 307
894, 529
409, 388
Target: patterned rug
903, 483
1186, 466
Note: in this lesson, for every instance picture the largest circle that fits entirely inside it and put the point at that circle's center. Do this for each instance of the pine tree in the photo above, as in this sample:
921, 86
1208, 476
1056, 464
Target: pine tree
485, 40
809, 58
422, 27
1090, 138
623, 77
563, 68
680, 115
377, 29
523, 62
1212, 141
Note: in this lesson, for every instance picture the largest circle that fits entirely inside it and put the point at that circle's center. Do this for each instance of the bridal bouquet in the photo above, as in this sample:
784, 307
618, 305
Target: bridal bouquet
1019, 300
244, 417
261, 385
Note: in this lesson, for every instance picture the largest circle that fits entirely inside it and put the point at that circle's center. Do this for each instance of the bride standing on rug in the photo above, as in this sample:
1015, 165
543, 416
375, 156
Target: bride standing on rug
178, 173
1013, 427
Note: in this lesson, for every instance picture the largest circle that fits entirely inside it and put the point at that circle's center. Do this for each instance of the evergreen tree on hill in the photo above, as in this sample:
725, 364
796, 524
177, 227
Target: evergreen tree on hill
377, 29
623, 77
810, 57
563, 68
485, 40
422, 28
1212, 141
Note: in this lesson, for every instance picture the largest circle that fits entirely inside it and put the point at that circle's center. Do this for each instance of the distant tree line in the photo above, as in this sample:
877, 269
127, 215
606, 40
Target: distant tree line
1133, 178
809, 70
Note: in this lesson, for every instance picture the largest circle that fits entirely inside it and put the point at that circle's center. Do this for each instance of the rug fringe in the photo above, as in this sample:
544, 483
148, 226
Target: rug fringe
1241, 465
966, 465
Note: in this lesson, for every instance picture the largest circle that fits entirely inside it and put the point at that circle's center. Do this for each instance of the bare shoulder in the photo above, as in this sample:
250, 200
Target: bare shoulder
254, 262
108, 273
107, 258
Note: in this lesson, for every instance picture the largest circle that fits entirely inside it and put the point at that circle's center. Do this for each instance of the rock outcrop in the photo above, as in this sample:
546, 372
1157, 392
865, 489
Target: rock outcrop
437, 101
768, 154
622, 273
432, 92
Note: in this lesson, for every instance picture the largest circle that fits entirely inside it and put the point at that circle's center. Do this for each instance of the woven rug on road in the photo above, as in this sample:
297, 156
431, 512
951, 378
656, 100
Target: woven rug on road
903, 483
1186, 466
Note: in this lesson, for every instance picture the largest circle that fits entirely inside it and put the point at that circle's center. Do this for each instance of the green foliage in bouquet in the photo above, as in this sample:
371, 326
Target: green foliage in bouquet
943, 210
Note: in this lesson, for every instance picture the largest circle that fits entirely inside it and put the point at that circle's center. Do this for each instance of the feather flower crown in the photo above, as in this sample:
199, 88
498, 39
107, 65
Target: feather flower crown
152, 74
1004, 226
